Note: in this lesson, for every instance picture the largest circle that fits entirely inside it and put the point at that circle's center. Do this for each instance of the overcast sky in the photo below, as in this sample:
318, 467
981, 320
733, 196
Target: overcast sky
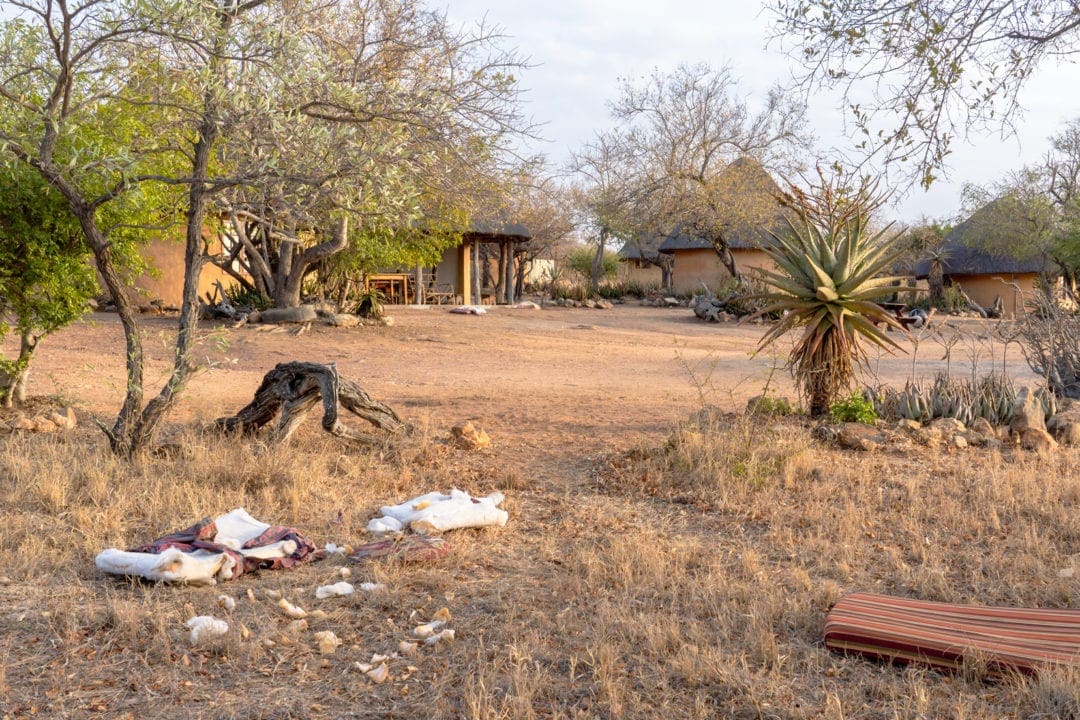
580, 48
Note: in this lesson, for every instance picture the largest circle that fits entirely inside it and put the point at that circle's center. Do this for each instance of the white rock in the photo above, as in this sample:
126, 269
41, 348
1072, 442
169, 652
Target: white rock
427, 629
291, 610
372, 587
328, 642
443, 636
379, 674
226, 602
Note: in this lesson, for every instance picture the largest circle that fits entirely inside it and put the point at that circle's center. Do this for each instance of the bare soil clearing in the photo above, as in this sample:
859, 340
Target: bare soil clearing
642, 573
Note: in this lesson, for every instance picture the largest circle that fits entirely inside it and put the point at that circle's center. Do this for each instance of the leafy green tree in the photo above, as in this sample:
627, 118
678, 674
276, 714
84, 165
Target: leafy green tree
45, 277
582, 260
827, 280
270, 107
606, 196
918, 74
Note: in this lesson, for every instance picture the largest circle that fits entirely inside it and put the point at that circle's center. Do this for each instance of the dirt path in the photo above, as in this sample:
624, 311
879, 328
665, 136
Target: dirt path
540, 380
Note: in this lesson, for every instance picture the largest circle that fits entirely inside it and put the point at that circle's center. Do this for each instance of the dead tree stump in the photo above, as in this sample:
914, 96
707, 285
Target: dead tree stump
294, 388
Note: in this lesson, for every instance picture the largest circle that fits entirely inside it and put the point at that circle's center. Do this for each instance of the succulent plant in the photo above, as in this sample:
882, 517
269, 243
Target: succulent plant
826, 280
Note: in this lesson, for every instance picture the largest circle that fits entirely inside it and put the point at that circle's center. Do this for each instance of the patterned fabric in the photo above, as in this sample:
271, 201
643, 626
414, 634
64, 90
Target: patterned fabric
200, 536
944, 636
410, 548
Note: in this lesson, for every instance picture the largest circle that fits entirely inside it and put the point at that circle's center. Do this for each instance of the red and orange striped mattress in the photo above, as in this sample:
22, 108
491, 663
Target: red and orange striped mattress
946, 636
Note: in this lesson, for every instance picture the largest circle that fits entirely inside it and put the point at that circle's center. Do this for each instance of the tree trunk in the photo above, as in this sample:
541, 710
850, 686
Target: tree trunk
15, 384
936, 281
294, 388
500, 279
519, 279
477, 280
597, 268
509, 274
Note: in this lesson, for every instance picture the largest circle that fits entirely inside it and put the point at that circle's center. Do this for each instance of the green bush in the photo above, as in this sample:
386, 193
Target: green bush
772, 406
580, 261
854, 408
246, 297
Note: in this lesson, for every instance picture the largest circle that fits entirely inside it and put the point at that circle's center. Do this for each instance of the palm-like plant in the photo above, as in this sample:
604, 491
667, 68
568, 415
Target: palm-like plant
826, 281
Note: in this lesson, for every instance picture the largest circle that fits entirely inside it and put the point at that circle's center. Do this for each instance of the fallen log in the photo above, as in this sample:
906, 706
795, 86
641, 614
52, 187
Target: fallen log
292, 389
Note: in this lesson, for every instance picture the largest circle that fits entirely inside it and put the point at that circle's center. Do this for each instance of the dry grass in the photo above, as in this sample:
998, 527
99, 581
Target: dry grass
686, 581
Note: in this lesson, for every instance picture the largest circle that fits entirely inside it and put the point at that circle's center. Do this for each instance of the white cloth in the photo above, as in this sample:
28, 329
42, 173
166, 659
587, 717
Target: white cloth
201, 567
436, 512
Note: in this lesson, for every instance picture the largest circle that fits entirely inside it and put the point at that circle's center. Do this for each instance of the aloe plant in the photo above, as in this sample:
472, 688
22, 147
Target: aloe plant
827, 277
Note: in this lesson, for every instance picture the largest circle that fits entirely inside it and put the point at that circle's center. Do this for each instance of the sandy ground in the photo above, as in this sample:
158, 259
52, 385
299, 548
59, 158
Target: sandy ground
557, 381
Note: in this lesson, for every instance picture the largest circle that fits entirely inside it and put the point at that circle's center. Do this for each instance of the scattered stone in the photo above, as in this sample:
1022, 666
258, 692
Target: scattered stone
1065, 425
907, 426
959, 441
857, 436
526, 305
948, 426
1037, 440
386, 321
1068, 433
603, 305
1027, 412
301, 314
672, 302
930, 437
590, 303
328, 642
341, 320
470, 437
725, 317
982, 426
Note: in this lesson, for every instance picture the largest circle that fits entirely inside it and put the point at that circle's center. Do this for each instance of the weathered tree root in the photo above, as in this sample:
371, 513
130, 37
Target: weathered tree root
294, 388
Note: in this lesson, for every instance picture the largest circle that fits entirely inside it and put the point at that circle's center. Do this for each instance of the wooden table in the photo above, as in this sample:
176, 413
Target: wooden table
393, 286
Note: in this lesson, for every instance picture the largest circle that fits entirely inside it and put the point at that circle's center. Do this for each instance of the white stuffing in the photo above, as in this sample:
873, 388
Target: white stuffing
436, 512
200, 567
205, 628
336, 590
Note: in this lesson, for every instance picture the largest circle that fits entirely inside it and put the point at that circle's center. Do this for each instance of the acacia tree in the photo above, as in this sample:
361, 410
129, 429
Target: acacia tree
207, 81
407, 132
918, 74
1034, 212
609, 187
691, 129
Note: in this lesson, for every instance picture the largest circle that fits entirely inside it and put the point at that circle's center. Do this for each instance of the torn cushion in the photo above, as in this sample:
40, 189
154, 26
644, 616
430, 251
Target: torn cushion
216, 549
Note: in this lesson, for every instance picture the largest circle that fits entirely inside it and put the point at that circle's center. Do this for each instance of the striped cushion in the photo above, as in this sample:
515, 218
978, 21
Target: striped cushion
944, 635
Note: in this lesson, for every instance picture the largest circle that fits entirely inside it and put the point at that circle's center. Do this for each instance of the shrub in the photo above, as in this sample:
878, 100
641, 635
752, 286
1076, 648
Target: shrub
853, 408
247, 297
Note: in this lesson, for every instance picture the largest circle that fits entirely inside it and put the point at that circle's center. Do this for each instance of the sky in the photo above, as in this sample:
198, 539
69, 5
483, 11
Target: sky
579, 49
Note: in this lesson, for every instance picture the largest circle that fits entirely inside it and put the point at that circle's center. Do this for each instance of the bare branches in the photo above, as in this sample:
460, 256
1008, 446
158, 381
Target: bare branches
917, 75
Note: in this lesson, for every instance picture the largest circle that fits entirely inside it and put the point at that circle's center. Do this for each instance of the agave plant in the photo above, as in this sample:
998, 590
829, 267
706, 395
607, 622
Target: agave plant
827, 277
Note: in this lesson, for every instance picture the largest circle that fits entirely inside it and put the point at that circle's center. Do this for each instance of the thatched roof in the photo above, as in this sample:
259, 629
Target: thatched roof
960, 257
753, 193
492, 232
645, 247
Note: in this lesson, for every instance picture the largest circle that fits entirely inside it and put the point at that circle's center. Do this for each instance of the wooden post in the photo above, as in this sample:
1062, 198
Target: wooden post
508, 278
477, 278
465, 272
